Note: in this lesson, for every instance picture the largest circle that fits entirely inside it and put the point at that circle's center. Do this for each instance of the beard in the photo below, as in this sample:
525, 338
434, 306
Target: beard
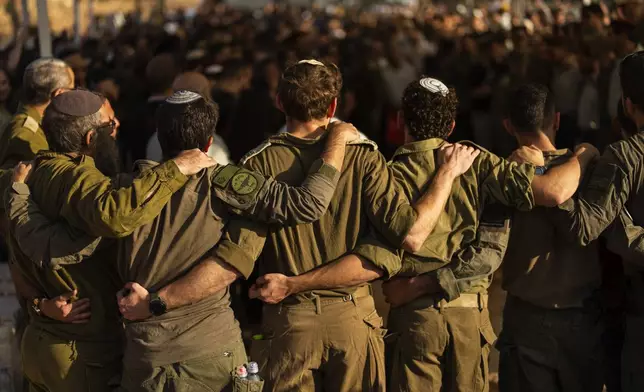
106, 153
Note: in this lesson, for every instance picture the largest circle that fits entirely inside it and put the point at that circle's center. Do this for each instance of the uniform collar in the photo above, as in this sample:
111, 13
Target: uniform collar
31, 112
420, 146
296, 140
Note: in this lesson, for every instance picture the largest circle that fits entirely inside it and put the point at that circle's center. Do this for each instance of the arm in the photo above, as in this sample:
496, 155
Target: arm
561, 182
276, 202
454, 160
348, 271
95, 205
477, 261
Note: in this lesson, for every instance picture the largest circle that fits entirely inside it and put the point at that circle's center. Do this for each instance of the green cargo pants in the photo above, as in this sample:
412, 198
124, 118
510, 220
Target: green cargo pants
439, 346
211, 373
550, 350
322, 344
52, 364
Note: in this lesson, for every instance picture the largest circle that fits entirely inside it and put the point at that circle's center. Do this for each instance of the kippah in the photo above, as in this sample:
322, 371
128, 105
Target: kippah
434, 86
311, 62
77, 103
183, 97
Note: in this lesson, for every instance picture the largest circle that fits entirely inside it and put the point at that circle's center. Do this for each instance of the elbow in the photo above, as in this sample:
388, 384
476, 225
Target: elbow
412, 244
552, 199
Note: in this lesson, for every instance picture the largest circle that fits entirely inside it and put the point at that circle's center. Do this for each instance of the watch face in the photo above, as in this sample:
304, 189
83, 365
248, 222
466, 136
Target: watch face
157, 306
244, 183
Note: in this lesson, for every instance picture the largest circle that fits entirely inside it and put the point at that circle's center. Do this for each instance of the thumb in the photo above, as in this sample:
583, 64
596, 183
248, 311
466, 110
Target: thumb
261, 280
130, 285
253, 292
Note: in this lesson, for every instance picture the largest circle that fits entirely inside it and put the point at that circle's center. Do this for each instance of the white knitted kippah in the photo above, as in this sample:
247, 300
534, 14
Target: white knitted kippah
183, 97
434, 86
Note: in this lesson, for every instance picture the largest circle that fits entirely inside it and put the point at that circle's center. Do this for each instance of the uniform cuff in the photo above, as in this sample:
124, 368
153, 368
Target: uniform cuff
384, 259
20, 188
170, 175
447, 281
234, 255
326, 170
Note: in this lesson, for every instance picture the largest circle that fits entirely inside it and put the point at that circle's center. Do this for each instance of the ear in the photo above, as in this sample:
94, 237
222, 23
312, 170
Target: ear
557, 123
629, 107
451, 130
211, 139
332, 108
59, 91
507, 125
89, 136
278, 103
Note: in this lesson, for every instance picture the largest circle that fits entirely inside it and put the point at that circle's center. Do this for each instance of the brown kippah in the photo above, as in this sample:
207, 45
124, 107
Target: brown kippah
77, 103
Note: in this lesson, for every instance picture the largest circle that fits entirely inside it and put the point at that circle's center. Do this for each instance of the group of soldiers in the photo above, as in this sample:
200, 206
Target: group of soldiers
125, 275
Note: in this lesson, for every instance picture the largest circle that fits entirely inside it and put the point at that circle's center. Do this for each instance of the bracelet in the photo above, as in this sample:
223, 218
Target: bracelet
35, 305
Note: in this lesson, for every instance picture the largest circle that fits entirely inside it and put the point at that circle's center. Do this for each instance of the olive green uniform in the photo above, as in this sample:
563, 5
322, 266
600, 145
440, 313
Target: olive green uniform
81, 357
551, 337
23, 138
617, 182
197, 345
442, 343
329, 340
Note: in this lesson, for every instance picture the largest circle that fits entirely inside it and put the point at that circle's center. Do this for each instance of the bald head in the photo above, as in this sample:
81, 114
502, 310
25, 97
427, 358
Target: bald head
193, 81
44, 79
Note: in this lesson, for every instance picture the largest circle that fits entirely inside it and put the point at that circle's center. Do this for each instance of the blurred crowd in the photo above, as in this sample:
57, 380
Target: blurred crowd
236, 57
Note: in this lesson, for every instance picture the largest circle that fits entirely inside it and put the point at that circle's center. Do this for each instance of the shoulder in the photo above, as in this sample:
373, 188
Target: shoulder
365, 142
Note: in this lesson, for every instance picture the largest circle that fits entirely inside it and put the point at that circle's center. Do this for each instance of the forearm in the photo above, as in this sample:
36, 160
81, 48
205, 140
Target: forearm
429, 207
560, 182
205, 279
348, 271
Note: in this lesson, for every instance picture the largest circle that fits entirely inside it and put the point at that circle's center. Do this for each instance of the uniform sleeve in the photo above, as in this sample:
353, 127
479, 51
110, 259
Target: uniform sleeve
481, 258
385, 202
270, 201
625, 239
375, 249
506, 182
96, 205
47, 244
588, 215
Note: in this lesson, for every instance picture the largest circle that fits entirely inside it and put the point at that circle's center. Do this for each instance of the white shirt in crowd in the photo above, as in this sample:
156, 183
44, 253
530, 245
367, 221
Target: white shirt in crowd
217, 150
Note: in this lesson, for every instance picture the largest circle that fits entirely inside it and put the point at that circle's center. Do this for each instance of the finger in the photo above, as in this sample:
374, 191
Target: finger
80, 309
129, 285
261, 280
253, 292
66, 296
81, 318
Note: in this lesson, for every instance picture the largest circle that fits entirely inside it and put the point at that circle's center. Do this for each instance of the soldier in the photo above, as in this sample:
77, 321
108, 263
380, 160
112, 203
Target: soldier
329, 339
551, 337
201, 344
615, 183
43, 80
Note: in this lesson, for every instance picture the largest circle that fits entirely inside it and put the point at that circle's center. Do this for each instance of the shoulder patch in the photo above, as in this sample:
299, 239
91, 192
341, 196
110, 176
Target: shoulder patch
254, 152
30, 124
223, 176
364, 142
244, 183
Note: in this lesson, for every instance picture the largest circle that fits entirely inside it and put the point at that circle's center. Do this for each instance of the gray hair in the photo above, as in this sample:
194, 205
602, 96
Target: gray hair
67, 133
44, 76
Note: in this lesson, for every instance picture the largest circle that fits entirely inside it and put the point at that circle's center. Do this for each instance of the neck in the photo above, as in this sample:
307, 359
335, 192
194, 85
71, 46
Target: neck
539, 140
638, 118
39, 108
306, 130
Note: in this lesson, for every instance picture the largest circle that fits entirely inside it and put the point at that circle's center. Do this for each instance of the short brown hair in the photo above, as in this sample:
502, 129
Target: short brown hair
307, 90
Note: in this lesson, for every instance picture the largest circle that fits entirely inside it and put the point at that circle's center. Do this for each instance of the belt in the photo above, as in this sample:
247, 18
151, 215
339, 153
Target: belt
478, 301
363, 291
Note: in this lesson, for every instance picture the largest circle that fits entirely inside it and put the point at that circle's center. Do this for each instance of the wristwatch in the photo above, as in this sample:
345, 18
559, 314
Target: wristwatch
35, 305
541, 170
158, 306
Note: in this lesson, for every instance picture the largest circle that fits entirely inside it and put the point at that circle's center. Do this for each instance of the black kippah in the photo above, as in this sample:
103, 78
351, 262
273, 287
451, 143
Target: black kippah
77, 103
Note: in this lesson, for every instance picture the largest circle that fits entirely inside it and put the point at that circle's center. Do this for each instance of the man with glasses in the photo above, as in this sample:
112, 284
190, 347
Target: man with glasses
24, 137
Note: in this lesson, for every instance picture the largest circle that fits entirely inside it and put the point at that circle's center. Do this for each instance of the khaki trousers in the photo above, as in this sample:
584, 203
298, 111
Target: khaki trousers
52, 364
211, 373
435, 346
322, 344
549, 350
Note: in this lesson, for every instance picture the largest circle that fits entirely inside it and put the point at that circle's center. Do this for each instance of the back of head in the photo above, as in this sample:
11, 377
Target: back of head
43, 77
160, 73
193, 81
185, 121
307, 90
429, 109
531, 108
631, 74
69, 118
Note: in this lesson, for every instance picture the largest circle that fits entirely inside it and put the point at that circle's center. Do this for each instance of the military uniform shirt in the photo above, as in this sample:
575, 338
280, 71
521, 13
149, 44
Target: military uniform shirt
23, 138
